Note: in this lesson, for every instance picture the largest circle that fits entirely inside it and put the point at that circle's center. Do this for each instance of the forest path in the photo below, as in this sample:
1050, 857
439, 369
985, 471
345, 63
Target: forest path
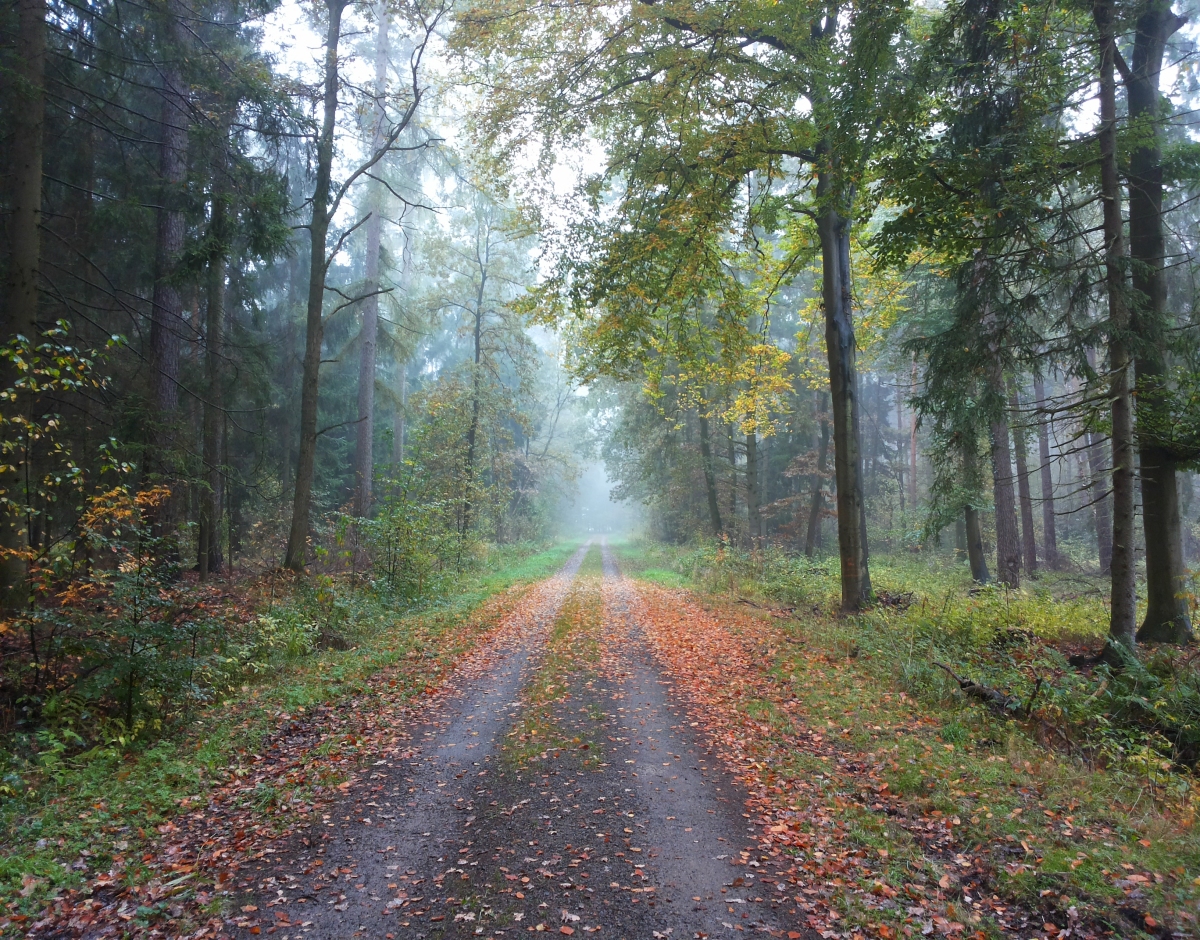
561, 790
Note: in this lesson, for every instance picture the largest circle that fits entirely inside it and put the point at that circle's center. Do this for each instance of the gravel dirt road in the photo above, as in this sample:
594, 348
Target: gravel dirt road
621, 826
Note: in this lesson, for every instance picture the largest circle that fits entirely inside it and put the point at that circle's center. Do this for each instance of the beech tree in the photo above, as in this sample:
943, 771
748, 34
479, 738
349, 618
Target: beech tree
694, 98
326, 200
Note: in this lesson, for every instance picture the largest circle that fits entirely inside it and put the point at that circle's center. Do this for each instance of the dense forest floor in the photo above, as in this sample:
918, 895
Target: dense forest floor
686, 749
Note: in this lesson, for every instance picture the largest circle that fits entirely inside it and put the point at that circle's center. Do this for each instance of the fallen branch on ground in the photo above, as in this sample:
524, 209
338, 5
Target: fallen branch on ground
993, 698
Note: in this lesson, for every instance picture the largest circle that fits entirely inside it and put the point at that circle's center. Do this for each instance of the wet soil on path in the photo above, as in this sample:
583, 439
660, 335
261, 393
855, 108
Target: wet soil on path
623, 826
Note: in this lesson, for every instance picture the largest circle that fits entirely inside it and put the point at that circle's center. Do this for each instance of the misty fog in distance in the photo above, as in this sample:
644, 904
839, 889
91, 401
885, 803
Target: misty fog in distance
594, 512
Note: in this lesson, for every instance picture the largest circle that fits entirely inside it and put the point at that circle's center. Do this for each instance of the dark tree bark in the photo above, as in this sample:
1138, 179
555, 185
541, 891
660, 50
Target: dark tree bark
315, 323
28, 119
1122, 624
20, 314
1098, 490
211, 497
710, 480
1008, 542
1028, 540
974, 530
1008, 545
1098, 494
834, 232
816, 513
1045, 472
731, 453
1167, 619
166, 318
753, 509
975, 554
364, 454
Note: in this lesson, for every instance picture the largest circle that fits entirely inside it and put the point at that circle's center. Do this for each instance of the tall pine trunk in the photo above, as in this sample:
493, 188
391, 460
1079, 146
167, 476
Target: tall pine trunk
1028, 539
973, 526
1167, 618
1046, 475
834, 232
28, 117
1122, 624
315, 324
364, 456
1008, 543
211, 496
20, 313
1098, 494
166, 317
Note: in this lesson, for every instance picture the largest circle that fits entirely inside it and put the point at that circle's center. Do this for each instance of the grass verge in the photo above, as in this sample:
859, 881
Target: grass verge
65, 821
995, 816
572, 654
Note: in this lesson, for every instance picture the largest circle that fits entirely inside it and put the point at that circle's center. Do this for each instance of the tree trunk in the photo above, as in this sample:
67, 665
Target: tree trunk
733, 485
975, 554
1049, 523
899, 465
28, 133
1008, 541
1122, 624
315, 325
834, 232
209, 547
398, 429
710, 481
20, 312
812, 540
753, 509
912, 448
1008, 544
974, 530
166, 318
1167, 618
476, 392
364, 456
1028, 541
1098, 494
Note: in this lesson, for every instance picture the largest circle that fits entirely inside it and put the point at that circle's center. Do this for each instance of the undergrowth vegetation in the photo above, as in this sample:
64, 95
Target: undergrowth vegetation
79, 783
1038, 647
1077, 802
